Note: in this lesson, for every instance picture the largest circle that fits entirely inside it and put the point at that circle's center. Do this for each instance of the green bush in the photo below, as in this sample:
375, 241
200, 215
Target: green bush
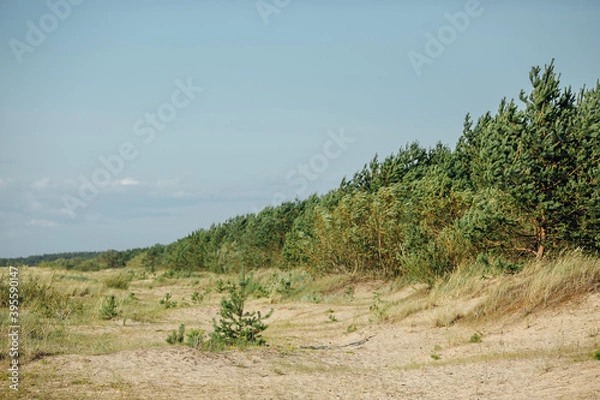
167, 302
176, 337
237, 326
194, 338
597, 355
222, 287
476, 338
108, 308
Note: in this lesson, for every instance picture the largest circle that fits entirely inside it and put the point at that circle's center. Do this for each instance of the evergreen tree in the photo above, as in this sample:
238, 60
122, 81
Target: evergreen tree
544, 159
236, 324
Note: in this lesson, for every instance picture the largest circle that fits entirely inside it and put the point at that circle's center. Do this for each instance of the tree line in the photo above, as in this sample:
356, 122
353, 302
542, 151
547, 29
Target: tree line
520, 183
82, 260
37, 259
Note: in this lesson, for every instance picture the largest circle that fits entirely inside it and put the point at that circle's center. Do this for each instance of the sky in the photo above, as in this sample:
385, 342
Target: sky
125, 124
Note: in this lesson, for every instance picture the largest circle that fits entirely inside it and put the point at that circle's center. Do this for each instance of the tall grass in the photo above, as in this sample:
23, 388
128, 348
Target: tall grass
118, 281
539, 284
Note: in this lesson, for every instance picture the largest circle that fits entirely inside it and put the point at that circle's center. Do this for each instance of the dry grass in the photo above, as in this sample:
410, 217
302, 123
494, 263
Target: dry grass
407, 325
541, 284
470, 294
473, 293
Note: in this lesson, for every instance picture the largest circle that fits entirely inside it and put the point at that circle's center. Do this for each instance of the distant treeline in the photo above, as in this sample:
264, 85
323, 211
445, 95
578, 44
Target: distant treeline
520, 183
83, 260
35, 260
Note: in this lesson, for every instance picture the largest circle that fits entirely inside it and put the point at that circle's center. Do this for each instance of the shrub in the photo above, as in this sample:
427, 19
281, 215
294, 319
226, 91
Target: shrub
597, 355
377, 306
222, 287
237, 326
167, 302
197, 297
176, 336
108, 309
194, 338
476, 338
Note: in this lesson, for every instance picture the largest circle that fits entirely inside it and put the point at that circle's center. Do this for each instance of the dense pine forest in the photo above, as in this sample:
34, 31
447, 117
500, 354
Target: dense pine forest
521, 182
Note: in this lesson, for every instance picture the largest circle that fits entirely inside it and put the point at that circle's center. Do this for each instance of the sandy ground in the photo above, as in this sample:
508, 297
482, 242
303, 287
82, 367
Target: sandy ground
545, 355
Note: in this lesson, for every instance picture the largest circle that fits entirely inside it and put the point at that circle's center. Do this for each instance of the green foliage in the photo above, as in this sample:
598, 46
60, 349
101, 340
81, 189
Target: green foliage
521, 182
330, 316
80, 261
112, 259
197, 297
498, 264
222, 287
545, 157
349, 292
194, 338
167, 302
376, 306
176, 336
109, 308
596, 355
237, 325
255, 289
475, 338
47, 259
153, 256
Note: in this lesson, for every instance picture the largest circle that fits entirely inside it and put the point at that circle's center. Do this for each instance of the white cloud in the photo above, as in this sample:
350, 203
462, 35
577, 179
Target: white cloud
126, 182
41, 184
44, 223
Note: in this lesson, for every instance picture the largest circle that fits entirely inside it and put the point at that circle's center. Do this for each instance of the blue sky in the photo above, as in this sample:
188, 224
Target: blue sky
291, 100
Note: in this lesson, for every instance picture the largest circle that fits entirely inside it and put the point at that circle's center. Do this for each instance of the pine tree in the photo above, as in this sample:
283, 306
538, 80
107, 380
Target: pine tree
237, 325
546, 158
